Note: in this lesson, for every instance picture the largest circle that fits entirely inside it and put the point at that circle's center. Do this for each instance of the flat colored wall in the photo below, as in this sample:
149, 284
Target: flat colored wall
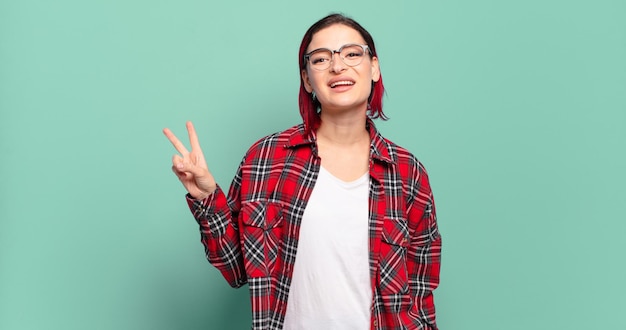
517, 109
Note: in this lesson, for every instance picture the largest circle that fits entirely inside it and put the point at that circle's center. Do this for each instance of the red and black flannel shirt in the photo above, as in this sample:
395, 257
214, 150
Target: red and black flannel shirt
251, 236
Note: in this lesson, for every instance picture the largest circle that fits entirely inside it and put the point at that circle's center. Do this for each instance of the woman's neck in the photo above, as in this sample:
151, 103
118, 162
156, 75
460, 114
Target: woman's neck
343, 129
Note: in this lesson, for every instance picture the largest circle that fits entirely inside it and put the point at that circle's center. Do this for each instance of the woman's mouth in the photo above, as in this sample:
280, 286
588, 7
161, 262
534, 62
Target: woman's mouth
341, 83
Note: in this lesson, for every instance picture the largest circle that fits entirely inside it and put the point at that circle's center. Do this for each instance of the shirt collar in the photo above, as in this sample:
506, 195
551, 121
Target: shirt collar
298, 138
380, 148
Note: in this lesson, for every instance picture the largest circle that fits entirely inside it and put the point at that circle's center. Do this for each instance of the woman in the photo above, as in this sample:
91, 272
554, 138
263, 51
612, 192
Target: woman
331, 225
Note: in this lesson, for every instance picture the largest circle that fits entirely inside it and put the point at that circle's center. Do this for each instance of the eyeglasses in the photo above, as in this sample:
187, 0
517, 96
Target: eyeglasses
351, 55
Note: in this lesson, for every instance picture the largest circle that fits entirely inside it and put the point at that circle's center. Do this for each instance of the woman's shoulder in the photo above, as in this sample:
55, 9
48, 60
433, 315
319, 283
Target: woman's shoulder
275, 142
405, 163
396, 153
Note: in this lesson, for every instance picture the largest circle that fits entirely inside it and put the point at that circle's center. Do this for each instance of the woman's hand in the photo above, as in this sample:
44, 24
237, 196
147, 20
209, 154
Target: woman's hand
190, 167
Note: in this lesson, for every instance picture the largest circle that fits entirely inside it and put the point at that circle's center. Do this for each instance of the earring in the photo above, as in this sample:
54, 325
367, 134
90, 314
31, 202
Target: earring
313, 96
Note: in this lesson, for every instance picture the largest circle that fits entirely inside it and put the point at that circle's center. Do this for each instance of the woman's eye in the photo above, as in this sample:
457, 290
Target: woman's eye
319, 60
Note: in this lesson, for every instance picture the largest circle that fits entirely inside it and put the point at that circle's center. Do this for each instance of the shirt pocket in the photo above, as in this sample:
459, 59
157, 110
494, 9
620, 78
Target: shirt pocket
261, 223
393, 257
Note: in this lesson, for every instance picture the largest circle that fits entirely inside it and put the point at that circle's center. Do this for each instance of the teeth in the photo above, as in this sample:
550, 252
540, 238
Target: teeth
345, 82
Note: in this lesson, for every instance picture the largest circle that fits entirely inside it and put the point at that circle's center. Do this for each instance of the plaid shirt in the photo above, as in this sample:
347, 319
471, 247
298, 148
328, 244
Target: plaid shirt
251, 236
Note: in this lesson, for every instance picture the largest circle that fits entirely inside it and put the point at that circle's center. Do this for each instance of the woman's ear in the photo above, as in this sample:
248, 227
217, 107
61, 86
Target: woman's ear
305, 80
375, 69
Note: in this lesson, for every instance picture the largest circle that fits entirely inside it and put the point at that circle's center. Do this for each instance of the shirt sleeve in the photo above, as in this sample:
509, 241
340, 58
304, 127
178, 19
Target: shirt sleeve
219, 233
424, 252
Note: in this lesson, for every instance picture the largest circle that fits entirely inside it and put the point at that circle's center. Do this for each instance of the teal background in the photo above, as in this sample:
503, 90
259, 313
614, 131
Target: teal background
517, 109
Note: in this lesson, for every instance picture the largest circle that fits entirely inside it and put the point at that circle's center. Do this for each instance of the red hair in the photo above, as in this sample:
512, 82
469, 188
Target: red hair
308, 106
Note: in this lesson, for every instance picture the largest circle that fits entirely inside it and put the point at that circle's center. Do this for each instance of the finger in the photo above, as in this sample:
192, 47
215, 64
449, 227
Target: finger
182, 176
177, 161
193, 136
191, 168
196, 158
177, 172
180, 147
184, 167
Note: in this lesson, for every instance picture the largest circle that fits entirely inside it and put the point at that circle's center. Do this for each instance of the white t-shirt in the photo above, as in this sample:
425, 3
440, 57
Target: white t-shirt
330, 287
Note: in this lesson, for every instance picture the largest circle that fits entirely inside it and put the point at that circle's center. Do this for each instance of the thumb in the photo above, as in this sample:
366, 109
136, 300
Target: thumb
186, 166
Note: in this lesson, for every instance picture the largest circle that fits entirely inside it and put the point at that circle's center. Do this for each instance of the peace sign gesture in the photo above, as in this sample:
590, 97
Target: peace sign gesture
190, 167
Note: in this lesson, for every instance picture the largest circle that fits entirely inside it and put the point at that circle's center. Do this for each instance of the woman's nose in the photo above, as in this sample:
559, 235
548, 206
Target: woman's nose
336, 63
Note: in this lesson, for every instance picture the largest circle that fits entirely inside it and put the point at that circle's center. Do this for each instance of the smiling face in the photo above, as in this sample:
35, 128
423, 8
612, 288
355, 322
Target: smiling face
340, 87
